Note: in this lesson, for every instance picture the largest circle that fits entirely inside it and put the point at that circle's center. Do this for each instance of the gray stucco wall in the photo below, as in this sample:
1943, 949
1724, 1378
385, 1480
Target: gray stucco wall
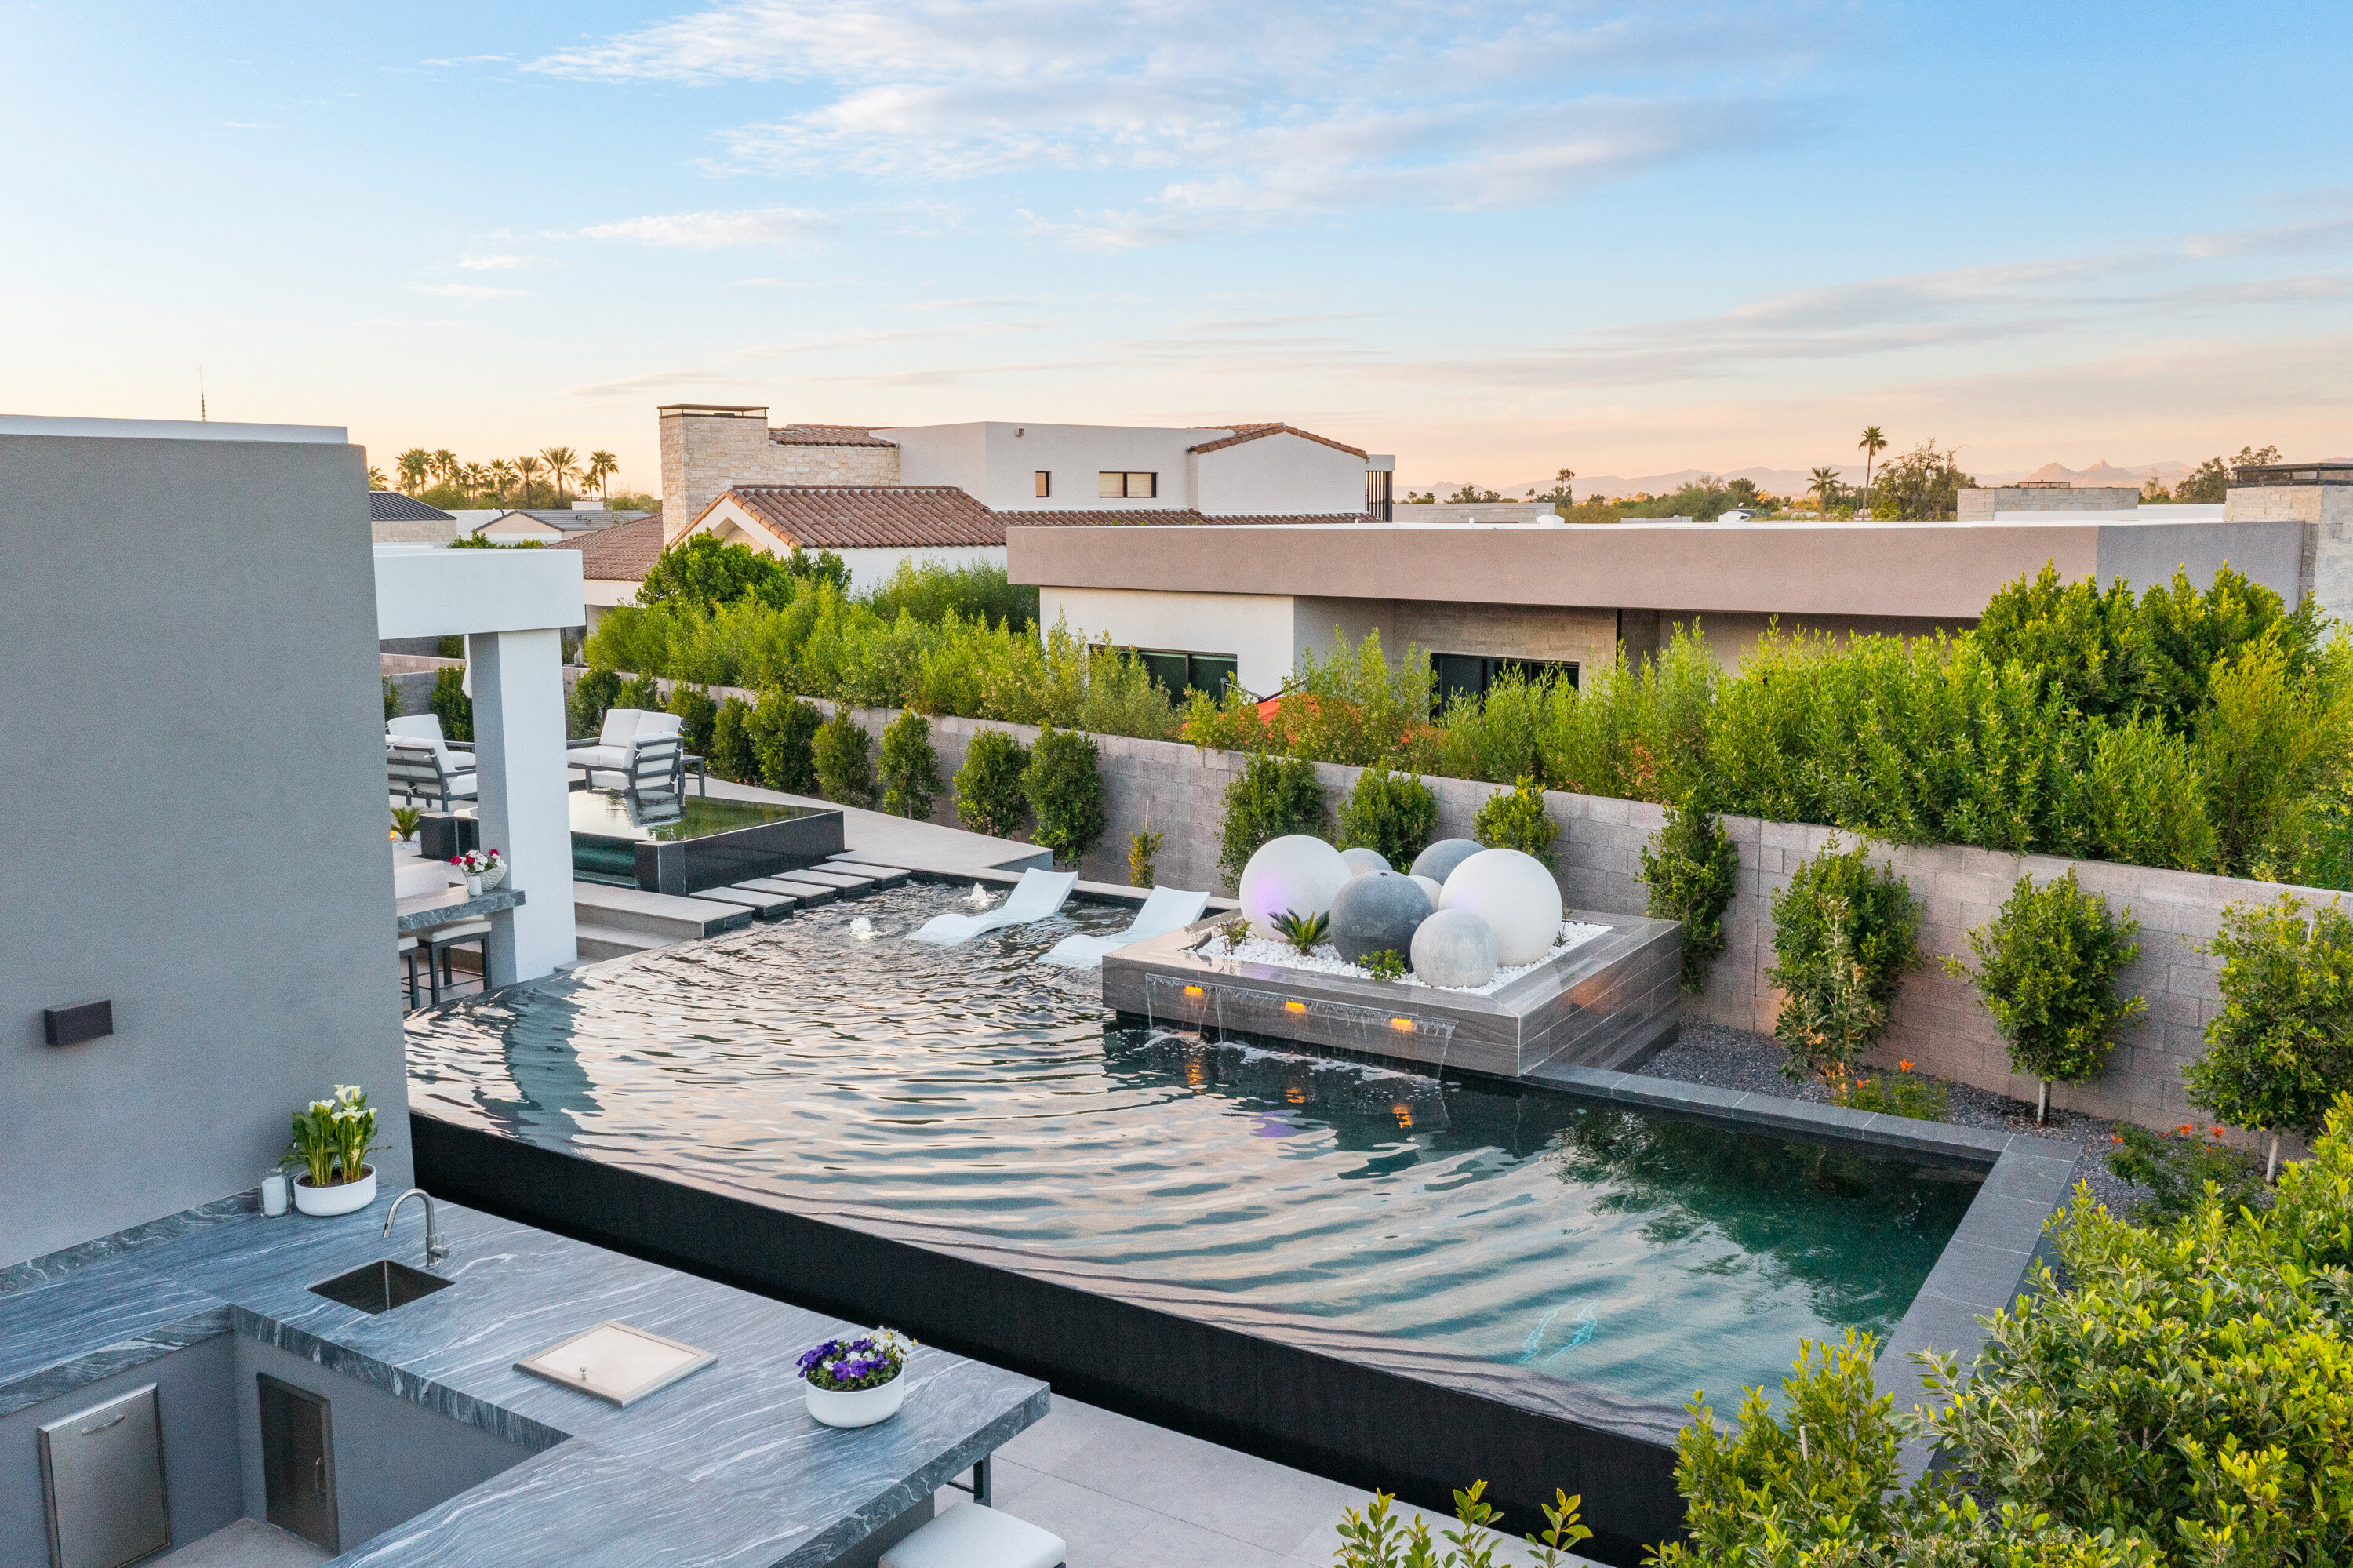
189, 753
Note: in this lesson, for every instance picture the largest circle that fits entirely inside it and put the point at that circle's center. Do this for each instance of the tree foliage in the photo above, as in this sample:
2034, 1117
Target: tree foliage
842, 758
988, 796
1394, 813
783, 729
2047, 969
1923, 485
911, 773
1064, 787
2281, 1051
1845, 935
1690, 869
1271, 797
1516, 819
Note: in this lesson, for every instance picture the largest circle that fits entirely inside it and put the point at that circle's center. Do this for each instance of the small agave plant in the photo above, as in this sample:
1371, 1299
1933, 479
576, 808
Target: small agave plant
1304, 932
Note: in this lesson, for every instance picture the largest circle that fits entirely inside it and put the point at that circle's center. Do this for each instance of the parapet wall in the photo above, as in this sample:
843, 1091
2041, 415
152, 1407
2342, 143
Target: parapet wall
1937, 1023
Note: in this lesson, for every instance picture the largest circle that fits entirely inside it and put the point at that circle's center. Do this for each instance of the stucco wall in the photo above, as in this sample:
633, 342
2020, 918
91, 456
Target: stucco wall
197, 823
1278, 474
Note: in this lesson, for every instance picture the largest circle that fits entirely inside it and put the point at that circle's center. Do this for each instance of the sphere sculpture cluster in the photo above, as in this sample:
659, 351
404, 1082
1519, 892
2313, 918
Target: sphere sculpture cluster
1464, 912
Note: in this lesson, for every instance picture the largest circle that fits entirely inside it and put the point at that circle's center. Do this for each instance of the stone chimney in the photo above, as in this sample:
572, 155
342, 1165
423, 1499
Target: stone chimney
705, 447
2320, 496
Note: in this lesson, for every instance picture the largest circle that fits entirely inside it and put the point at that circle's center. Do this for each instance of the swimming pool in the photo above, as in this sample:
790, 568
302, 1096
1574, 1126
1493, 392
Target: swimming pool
968, 1090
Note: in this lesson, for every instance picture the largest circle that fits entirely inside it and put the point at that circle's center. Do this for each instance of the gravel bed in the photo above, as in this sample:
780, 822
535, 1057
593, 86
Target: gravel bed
1728, 1058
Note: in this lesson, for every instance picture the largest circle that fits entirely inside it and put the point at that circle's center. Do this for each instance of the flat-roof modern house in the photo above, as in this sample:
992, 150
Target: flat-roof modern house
1479, 597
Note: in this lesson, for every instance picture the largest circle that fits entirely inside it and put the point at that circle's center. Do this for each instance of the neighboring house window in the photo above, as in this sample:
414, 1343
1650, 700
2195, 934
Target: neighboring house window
1132, 486
1045, 483
1470, 674
1183, 672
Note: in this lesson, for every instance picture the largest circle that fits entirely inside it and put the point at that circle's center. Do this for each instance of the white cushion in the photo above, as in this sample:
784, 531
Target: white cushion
598, 755
659, 726
414, 726
969, 1536
619, 724
410, 878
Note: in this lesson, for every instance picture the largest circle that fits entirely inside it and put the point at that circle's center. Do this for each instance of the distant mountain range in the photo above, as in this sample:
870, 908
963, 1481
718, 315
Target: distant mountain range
1794, 481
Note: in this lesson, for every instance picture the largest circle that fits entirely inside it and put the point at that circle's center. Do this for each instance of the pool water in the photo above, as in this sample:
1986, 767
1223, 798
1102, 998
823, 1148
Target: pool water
970, 1087
608, 827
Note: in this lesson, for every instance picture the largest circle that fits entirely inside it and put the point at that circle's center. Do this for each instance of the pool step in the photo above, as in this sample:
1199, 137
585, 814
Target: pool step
655, 914
849, 884
603, 942
765, 905
884, 876
807, 894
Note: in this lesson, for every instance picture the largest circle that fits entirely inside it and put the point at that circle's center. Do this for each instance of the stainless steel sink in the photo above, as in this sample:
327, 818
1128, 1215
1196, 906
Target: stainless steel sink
381, 1286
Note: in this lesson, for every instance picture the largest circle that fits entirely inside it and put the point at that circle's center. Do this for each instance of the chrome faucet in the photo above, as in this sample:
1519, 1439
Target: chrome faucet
436, 1250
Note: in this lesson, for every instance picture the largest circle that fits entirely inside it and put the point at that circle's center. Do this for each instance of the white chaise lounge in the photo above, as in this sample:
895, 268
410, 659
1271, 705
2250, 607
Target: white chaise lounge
1167, 909
1037, 895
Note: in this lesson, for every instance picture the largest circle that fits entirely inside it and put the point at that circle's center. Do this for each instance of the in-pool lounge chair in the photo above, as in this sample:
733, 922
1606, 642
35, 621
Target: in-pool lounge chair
1037, 895
1168, 909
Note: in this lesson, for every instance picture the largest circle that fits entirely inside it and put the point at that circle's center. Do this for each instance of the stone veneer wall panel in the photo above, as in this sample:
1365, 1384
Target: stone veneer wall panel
1937, 1021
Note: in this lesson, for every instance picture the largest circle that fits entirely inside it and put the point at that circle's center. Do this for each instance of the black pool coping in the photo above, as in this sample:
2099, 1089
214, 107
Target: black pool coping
1991, 1258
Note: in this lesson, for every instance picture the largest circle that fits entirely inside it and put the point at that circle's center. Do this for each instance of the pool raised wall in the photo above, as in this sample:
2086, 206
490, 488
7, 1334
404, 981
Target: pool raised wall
1937, 1021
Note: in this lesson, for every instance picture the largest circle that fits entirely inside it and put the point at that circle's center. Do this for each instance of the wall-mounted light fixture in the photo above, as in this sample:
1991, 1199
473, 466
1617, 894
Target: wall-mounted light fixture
77, 1021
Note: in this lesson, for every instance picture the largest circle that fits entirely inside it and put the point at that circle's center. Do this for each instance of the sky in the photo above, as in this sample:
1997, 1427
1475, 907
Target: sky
1493, 240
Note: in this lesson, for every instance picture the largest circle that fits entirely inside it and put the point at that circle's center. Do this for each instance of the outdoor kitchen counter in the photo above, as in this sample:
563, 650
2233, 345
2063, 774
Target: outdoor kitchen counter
722, 1467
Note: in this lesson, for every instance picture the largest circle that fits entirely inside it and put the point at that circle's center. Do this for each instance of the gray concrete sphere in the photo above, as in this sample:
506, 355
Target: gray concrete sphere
1362, 860
1377, 912
1438, 861
1454, 948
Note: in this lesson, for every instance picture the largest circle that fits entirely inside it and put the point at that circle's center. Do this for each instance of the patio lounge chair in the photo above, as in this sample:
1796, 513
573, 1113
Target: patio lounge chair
1168, 909
1037, 895
429, 769
645, 748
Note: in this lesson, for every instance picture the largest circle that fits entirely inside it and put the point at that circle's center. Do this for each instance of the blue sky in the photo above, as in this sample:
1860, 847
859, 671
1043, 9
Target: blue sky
1493, 240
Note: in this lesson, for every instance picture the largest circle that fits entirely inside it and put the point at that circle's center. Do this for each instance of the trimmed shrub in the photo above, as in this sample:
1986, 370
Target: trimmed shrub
911, 773
1271, 797
594, 695
845, 772
1392, 812
1845, 934
729, 756
782, 729
1517, 819
2145, 800
1143, 852
697, 714
451, 705
988, 798
391, 699
643, 692
1690, 867
1900, 1093
2047, 968
2281, 1050
1065, 793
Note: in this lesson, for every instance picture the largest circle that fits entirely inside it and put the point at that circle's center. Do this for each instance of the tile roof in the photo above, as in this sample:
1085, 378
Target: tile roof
391, 506
826, 436
562, 518
1255, 432
898, 516
622, 553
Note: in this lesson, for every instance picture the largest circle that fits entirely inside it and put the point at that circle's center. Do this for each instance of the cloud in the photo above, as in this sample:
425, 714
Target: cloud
468, 292
872, 337
248, 125
960, 304
1239, 115
788, 227
655, 381
494, 263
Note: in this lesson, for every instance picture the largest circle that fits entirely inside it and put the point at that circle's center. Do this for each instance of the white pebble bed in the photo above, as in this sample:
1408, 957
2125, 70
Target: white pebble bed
1326, 960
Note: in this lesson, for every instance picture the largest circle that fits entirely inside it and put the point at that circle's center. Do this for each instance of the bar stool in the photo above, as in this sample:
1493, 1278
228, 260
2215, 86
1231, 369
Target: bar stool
974, 1535
441, 940
408, 958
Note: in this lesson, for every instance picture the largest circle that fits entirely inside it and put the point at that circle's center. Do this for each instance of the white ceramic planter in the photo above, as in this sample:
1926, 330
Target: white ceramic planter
344, 1198
473, 887
858, 1407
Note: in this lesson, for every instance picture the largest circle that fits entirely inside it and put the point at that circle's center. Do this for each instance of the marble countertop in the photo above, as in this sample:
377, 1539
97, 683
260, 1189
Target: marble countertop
423, 909
725, 1468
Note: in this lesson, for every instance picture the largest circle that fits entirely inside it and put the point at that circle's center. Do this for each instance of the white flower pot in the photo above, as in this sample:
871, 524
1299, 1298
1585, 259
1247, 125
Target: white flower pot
858, 1407
473, 887
344, 1198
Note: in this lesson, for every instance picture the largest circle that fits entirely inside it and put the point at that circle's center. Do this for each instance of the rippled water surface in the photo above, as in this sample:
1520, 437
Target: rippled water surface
969, 1086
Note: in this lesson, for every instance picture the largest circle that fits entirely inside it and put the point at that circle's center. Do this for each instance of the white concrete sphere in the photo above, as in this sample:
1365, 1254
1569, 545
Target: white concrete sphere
1438, 861
1432, 887
1362, 860
1377, 913
1454, 948
1296, 873
1515, 895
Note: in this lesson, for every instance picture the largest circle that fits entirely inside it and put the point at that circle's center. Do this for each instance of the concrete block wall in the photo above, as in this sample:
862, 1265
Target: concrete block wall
1936, 1021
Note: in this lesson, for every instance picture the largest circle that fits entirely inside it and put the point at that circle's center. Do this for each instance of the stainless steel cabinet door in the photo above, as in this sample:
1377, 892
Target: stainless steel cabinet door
102, 1475
298, 1463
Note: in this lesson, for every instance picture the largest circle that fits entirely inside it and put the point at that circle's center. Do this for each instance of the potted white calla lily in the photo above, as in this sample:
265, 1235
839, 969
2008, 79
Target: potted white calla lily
333, 1139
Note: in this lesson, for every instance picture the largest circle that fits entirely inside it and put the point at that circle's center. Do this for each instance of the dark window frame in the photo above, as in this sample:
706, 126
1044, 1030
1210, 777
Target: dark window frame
1126, 490
1475, 674
1213, 673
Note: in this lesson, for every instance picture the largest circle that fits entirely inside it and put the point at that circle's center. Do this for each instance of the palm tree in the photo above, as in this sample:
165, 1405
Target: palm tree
414, 465
602, 467
526, 468
473, 479
375, 477
562, 463
1825, 485
445, 464
1871, 446
499, 471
